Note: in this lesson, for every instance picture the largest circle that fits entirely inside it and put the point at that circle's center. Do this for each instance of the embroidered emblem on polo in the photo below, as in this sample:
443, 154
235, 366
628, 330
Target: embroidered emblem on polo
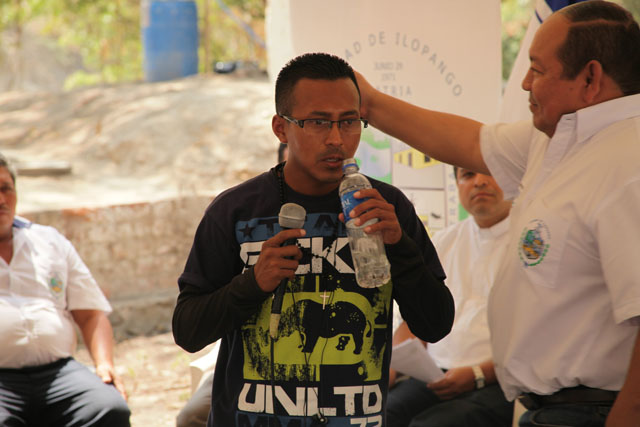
56, 285
534, 243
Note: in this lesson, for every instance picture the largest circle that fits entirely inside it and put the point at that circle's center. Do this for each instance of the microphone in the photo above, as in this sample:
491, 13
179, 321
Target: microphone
291, 216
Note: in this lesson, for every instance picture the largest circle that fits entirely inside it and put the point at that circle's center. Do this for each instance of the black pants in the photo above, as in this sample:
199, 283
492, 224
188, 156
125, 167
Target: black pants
411, 403
63, 393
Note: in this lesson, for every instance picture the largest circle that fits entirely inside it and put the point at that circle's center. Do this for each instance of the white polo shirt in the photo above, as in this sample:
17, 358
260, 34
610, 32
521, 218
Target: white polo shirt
470, 256
44, 281
565, 305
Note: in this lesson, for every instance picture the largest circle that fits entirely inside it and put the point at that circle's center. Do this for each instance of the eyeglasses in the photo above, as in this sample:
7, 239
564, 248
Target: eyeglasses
323, 126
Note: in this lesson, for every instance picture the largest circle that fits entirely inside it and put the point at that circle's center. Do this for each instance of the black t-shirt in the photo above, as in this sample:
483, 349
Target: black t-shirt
333, 350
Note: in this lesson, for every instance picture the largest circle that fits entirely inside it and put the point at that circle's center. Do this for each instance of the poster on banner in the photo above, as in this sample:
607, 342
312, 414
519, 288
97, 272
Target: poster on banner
438, 55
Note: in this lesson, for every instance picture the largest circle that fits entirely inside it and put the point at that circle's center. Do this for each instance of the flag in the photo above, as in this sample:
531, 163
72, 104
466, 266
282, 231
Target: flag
515, 100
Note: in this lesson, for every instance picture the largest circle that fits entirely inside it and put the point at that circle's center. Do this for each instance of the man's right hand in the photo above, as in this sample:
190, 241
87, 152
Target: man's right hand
455, 382
277, 262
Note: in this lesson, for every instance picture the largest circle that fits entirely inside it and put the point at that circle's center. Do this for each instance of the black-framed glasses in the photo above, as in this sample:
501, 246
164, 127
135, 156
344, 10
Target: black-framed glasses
323, 126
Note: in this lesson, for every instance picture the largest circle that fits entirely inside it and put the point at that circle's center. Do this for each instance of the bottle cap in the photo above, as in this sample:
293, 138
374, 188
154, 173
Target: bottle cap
349, 162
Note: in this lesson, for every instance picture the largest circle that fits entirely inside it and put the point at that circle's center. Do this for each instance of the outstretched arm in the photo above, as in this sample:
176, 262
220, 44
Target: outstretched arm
98, 337
447, 137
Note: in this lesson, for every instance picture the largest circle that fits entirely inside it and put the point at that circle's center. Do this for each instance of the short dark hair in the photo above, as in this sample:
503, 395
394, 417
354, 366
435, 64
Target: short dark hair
5, 163
607, 33
316, 66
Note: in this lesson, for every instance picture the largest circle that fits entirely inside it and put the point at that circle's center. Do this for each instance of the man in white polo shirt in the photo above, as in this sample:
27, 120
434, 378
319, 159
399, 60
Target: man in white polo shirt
470, 252
44, 288
565, 308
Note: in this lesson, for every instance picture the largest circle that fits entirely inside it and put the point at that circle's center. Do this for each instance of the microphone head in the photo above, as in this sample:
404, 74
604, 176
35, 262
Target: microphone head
291, 216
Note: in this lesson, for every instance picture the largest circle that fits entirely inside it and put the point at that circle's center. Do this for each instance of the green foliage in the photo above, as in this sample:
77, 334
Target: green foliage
253, 8
107, 33
632, 6
82, 78
226, 39
108, 36
516, 15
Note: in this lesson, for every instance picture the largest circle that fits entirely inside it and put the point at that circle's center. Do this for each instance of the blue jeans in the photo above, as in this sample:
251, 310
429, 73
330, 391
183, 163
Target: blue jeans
570, 415
411, 403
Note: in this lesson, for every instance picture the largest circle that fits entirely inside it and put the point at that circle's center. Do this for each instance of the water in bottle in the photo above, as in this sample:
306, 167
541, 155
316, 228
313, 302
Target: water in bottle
369, 257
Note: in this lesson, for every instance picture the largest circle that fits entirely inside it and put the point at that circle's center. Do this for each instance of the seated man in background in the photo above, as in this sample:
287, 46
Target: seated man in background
470, 252
43, 286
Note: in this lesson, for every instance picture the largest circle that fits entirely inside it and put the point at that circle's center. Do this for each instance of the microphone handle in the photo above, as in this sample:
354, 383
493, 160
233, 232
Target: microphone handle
276, 304
276, 309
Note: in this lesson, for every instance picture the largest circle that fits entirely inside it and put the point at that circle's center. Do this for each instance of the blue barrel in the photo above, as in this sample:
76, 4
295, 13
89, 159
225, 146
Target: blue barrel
170, 39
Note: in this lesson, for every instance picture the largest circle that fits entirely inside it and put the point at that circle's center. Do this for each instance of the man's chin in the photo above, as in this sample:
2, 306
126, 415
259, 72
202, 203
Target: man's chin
5, 233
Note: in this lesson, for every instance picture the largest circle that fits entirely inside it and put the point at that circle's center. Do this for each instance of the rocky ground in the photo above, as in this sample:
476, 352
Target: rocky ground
137, 142
156, 375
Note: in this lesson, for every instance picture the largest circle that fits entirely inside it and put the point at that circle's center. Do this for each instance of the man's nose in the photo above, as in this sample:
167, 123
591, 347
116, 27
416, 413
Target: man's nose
481, 180
335, 136
526, 82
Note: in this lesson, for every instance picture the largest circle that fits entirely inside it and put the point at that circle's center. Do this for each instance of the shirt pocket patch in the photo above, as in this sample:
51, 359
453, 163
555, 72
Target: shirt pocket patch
540, 248
53, 276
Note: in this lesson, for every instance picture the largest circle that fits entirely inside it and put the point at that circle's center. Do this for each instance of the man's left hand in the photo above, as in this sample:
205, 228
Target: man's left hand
376, 207
108, 375
455, 382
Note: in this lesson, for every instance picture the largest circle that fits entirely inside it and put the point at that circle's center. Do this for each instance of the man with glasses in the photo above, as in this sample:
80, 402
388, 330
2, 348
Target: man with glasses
329, 361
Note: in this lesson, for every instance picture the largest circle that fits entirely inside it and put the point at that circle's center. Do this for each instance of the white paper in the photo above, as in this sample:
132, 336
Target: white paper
411, 358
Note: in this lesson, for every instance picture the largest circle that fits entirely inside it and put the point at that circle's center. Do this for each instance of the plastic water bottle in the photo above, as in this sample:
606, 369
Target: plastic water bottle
369, 257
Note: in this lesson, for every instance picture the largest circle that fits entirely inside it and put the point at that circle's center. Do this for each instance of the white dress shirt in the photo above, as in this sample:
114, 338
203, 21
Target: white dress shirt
564, 308
44, 281
470, 256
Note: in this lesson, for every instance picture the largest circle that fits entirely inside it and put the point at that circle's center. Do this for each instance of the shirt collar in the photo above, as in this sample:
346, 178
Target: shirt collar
494, 231
593, 119
19, 226
20, 222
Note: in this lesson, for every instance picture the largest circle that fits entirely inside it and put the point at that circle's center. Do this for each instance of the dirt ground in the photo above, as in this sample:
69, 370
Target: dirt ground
156, 375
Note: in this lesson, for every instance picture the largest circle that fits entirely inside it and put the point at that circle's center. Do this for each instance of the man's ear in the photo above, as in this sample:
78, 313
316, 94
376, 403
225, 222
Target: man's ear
277, 125
592, 76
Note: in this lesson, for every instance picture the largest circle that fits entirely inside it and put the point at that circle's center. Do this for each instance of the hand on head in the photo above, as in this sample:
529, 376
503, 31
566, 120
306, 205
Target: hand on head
367, 92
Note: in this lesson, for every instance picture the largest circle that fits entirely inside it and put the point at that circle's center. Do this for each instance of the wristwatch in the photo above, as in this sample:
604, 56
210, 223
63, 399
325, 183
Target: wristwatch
477, 372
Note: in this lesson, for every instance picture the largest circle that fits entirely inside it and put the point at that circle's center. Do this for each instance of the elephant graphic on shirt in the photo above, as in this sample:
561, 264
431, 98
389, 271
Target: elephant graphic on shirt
339, 318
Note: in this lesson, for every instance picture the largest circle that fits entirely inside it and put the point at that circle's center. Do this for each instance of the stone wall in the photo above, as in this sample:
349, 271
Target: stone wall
136, 253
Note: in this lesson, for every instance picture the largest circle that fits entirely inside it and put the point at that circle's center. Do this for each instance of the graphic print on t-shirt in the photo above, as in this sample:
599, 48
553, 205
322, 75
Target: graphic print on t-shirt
331, 337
